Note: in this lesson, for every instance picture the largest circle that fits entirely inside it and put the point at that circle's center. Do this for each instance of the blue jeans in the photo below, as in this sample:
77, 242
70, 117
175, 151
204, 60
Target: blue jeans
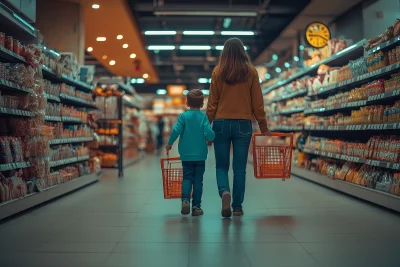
238, 133
193, 172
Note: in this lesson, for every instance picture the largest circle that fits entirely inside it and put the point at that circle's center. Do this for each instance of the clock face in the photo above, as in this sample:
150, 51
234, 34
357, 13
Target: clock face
317, 35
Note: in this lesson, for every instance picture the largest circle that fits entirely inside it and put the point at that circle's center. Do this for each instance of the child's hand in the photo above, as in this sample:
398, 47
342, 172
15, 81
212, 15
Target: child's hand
209, 143
168, 147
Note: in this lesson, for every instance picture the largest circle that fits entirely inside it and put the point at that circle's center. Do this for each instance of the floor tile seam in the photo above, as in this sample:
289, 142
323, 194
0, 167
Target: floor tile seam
245, 254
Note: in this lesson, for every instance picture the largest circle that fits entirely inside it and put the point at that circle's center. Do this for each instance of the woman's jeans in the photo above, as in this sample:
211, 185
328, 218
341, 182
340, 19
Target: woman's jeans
238, 133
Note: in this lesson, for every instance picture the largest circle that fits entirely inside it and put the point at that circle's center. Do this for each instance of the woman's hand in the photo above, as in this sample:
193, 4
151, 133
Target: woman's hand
168, 147
268, 133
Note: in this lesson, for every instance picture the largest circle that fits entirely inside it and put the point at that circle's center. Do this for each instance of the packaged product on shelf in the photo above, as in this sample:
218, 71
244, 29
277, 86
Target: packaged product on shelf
2, 39
375, 41
5, 149
377, 61
8, 43
395, 190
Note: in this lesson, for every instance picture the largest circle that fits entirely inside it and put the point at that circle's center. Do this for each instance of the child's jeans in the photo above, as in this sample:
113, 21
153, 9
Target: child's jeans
193, 172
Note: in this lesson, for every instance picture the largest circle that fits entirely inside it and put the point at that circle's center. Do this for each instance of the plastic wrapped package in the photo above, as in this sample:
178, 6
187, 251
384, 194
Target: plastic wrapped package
38, 168
2, 39
385, 182
7, 188
16, 149
5, 151
8, 43
16, 47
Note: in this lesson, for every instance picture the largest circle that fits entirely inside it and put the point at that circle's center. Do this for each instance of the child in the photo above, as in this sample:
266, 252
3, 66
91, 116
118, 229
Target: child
194, 130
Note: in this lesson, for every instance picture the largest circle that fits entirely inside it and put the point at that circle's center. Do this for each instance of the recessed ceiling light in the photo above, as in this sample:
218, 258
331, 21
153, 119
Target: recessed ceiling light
112, 62
120, 37
145, 76
96, 6
132, 56
296, 58
101, 39
185, 92
287, 64
278, 70
104, 57
125, 46
161, 92
90, 49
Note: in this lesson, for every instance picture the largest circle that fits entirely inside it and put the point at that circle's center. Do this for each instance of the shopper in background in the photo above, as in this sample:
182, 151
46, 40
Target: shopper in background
235, 100
160, 135
194, 131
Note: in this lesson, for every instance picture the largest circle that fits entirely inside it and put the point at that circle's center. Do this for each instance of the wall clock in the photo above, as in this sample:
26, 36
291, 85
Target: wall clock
317, 34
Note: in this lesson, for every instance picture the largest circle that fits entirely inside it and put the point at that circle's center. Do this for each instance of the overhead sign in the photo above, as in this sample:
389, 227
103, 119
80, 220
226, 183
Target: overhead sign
176, 90
317, 34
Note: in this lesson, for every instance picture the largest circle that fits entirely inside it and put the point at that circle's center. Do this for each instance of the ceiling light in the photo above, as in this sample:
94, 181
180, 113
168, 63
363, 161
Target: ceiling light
287, 65
139, 80
161, 92
101, 39
195, 47
96, 6
145, 76
132, 56
275, 57
125, 46
260, 80
237, 33
120, 37
278, 70
227, 22
221, 47
161, 47
203, 80
207, 13
301, 47
112, 62
90, 49
185, 92
104, 57
159, 32
296, 58
206, 91
267, 76
198, 33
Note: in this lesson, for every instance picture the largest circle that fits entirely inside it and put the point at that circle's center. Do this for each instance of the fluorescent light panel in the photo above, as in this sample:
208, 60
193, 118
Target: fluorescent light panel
221, 47
195, 47
159, 32
203, 80
161, 92
237, 33
207, 13
161, 47
198, 32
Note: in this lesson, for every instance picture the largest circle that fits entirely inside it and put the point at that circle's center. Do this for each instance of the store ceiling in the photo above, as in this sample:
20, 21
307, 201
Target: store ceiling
177, 66
111, 19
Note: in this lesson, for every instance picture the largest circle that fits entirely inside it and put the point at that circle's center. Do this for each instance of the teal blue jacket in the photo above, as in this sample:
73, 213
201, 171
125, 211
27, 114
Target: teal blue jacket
194, 130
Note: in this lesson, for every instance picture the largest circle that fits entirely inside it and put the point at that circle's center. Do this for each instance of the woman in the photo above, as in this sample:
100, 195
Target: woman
235, 100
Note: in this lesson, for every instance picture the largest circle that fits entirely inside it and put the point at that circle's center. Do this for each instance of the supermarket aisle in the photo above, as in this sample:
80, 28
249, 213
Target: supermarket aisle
128, 223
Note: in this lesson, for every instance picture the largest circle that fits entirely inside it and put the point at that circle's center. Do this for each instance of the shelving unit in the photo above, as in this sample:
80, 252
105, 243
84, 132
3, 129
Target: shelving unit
12, 25
343, 132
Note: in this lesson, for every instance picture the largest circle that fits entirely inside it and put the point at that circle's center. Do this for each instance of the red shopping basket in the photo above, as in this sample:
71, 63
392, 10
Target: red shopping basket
272, 159
172, 176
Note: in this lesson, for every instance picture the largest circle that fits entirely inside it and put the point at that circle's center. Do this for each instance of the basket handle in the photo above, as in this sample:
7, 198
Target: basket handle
273, 134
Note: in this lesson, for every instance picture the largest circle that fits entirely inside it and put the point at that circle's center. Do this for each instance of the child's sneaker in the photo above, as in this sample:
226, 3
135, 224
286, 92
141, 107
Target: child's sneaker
185, 207
197, 211
238, 212
226, 211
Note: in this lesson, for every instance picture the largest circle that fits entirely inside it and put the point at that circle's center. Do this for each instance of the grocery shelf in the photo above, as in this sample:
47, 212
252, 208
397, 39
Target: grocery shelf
9, 56
339, 59
14, 166
291, 111
376, 163
10, 86
71, 119
16, 112
386, 45
68, 161
21, 29
353, 82
70, 140
378, 197
109, 120
76, 101
286, 128
15, 206
122, 87
359, 127
52, 98
52, 118
356, 104
50, 75
288, 96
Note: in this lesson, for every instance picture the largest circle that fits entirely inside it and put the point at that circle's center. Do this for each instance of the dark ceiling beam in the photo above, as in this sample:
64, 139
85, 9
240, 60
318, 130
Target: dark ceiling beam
146, 7
185, 63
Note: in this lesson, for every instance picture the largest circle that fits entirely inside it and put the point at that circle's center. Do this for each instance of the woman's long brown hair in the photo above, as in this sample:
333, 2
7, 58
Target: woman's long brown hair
234, 63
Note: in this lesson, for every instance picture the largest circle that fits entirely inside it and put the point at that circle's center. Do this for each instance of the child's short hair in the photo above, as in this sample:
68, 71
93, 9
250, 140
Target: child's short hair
195, 98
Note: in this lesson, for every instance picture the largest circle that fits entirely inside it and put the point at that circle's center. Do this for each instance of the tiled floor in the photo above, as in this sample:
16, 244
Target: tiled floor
128, 223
